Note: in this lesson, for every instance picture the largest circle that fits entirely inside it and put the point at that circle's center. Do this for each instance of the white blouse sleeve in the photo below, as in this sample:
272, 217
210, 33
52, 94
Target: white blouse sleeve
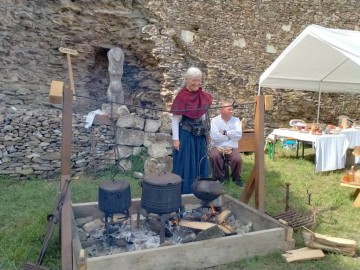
175, 126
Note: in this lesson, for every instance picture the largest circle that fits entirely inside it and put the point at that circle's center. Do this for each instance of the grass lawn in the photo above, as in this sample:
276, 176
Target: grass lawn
24, 206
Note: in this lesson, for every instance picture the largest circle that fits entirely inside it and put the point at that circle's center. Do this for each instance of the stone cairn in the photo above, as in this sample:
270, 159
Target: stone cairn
115, 92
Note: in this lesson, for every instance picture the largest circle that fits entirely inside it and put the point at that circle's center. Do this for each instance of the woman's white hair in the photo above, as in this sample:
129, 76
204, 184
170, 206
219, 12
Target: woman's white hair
193, 72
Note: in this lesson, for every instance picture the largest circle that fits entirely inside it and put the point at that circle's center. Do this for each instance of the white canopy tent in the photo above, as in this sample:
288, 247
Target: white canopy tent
319, 59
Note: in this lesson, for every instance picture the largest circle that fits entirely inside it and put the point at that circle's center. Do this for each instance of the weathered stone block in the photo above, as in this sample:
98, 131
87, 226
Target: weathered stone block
125, 151
158, 165
157, 138
157, 150
152, 125
131, 121
130, 137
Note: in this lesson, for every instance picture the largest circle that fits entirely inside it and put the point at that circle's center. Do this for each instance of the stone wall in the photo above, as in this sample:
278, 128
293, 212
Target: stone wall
30, 142
233, 42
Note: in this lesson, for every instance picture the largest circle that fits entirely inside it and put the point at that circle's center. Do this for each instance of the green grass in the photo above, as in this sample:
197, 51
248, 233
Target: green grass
24, 206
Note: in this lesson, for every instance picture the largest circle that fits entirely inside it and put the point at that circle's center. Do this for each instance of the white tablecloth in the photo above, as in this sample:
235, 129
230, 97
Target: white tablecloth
353, 136
330, 149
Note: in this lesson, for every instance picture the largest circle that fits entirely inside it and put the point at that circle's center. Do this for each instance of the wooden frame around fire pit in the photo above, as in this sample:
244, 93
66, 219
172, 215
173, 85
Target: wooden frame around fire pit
256, 181
268, 236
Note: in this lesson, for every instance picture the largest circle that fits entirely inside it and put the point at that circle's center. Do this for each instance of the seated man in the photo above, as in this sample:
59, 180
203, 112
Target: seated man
225, 133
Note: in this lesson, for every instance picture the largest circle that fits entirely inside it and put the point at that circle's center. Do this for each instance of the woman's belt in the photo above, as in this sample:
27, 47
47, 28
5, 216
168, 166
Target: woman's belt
186, 127
197, 129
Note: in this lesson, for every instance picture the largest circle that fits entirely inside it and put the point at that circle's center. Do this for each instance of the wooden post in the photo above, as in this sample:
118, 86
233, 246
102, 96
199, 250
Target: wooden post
65, 222
259, 154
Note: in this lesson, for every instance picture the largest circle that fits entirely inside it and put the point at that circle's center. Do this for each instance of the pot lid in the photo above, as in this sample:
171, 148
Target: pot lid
114, 185
162, 179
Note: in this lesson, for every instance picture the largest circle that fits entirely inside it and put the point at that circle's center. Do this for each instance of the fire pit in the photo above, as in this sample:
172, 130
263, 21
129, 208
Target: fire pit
272, 235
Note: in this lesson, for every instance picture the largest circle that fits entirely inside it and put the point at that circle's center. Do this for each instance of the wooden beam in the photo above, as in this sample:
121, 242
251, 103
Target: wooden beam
259, 154
249, 188
65, 222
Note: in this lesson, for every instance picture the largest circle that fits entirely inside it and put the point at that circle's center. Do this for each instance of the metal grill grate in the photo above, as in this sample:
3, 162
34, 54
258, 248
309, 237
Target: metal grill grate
295, 220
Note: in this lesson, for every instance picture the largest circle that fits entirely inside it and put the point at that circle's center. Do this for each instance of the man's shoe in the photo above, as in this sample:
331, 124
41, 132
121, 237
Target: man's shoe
238, 182
221, 180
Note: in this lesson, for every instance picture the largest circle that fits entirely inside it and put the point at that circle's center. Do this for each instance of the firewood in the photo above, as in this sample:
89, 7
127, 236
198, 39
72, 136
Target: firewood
226, 229
303, 254
328, 243
196, 225
220, 218
209, 233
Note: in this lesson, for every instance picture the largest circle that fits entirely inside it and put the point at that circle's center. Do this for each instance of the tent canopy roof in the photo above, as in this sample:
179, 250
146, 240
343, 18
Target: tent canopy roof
319, 59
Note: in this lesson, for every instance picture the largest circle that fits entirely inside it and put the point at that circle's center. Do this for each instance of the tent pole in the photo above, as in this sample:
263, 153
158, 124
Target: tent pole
318, 110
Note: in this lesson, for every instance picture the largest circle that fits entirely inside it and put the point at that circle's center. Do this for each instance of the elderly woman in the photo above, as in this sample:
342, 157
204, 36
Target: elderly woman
188, 130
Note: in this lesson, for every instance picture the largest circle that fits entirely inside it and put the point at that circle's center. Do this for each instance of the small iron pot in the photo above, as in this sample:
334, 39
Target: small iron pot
207, 189
114, 197
161, 193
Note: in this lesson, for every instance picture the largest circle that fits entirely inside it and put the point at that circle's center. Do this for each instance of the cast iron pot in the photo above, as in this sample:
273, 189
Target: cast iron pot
114, 196
161, 193
207, 189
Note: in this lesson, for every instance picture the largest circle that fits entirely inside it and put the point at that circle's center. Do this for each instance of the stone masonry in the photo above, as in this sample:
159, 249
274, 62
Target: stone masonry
232, 41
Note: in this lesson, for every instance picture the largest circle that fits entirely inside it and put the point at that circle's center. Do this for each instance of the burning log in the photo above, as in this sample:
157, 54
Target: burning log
209, 233
220, 218
227, 229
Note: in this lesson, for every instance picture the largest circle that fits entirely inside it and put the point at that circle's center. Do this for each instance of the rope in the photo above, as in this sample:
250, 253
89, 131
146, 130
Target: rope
235, 105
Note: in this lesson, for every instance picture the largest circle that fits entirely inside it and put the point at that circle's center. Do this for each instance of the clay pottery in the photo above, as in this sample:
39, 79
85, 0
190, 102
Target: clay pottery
351, 174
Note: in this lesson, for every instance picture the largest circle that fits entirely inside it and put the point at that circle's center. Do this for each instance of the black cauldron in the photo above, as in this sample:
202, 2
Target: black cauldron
207, 189
161, 193
114, 197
